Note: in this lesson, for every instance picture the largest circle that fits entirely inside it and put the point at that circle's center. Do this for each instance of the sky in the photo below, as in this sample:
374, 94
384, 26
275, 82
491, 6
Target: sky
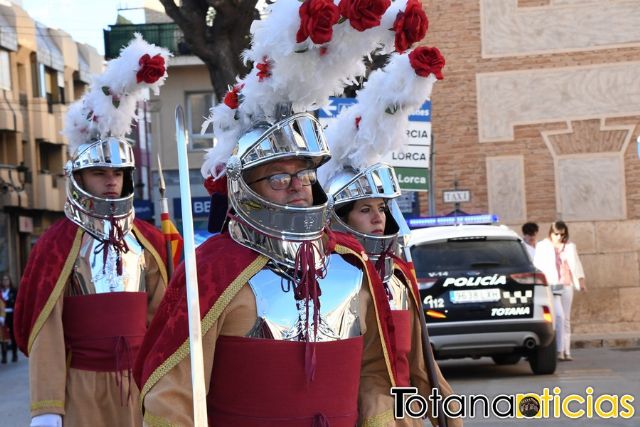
83, 19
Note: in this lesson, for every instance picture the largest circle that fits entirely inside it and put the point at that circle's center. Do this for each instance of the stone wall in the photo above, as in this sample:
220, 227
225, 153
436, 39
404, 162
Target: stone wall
537, 116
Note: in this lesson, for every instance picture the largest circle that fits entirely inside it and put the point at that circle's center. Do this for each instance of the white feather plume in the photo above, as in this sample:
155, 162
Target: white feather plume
109, 106
304, 75
384, 104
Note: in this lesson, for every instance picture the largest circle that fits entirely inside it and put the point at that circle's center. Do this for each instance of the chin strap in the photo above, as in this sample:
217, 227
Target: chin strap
307, 289
117, 242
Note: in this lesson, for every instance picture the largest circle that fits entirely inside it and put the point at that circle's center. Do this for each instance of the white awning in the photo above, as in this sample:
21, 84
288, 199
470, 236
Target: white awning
8, 36
48, 52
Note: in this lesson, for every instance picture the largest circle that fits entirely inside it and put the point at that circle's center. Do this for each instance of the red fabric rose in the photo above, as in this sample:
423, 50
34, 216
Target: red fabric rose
151, 68
410, 26
218, 186
264, 69
317, 18
358, 119
363, 14
231, 99
427, 60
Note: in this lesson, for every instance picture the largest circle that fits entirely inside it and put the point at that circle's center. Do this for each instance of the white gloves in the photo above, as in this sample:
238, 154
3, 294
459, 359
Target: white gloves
46, 420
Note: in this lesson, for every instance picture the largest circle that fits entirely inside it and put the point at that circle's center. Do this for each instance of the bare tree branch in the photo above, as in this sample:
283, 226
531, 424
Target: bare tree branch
219, 45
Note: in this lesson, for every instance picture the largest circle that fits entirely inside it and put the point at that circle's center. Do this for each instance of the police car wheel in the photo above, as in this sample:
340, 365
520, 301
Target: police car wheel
506, 359
542, 360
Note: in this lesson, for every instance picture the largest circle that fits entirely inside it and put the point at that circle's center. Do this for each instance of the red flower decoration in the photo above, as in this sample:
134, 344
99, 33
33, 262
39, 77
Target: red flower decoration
358, 119
231, 98
264, 69
427, 60
218, 186
151, 69
317, 18
363, 14
410, 26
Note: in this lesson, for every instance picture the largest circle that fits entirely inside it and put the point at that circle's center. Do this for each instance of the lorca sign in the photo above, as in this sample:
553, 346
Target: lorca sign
476, 281
416, 147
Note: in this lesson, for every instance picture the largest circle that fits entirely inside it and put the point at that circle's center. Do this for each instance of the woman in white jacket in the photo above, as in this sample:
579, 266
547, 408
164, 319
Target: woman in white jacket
558, 259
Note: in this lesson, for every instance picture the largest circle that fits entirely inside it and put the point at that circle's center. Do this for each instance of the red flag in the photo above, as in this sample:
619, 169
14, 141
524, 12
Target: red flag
172, 235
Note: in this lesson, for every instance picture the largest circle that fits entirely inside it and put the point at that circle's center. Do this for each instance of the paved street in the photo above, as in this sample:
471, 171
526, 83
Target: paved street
14, 393
613, 371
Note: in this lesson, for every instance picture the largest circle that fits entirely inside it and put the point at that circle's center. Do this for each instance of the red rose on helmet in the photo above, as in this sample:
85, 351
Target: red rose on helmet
151, 69
317, 18
427, 60
264, 69
410, 26
231, 99
363, 14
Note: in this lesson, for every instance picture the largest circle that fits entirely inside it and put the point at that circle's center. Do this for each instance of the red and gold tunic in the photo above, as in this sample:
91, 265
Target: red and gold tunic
81, 348
253, 382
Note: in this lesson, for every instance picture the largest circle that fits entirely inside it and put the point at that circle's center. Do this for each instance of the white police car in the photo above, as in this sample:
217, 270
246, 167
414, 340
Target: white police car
482, 295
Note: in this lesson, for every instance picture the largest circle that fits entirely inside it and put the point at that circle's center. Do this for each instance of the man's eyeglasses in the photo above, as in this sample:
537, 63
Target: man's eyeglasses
282, 181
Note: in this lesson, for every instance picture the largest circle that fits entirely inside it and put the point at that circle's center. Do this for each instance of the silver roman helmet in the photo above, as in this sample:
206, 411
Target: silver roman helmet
349, 186
96, 126
297, 136
94, 213
270, 228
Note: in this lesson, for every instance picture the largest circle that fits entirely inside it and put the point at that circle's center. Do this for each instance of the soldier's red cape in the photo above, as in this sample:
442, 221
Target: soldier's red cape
46, 263
220, 261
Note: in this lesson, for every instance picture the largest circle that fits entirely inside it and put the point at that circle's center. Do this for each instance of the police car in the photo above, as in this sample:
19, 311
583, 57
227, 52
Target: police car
482, 296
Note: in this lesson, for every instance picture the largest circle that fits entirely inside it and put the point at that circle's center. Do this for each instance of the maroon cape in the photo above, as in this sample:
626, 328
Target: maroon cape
47, 260
220, 261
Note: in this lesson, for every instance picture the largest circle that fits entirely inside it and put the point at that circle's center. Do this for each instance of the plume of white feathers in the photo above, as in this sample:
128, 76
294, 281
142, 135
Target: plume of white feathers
303, 75
109, 106
376, 124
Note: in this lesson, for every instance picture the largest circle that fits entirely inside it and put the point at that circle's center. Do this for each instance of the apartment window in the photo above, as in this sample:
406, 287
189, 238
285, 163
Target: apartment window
50, 158
198, 106
5, 70
50, 85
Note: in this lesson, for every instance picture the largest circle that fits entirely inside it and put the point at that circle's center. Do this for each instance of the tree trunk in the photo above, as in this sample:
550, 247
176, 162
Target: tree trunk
219, 46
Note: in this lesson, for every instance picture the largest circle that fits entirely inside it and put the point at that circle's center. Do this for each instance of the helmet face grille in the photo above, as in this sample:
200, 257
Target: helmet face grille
107, 153
376, 181
299, 135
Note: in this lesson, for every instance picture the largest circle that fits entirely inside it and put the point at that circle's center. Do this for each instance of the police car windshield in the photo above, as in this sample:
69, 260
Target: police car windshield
469, 254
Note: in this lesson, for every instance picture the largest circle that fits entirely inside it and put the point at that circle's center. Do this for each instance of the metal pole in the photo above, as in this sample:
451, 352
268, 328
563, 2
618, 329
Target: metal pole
191, 276
164, 210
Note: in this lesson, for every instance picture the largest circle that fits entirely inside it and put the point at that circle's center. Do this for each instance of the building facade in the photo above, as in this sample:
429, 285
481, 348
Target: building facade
42, 71
538, 117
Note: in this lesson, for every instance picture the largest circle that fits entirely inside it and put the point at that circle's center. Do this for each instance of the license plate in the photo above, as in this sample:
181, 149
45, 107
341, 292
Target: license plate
474, 295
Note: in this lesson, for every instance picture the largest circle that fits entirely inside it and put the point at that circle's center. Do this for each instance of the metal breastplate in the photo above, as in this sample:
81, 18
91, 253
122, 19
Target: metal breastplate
281, 317
397, 293
89, 277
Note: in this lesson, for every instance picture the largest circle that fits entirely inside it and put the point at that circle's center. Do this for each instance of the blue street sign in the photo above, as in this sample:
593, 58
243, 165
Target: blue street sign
199, 206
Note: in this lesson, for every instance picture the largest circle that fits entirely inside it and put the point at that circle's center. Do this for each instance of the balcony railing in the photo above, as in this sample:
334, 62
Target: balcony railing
167, 35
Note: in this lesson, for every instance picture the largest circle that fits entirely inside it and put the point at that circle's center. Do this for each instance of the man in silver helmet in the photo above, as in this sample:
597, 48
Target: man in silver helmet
92, 284
95, 278
291, 325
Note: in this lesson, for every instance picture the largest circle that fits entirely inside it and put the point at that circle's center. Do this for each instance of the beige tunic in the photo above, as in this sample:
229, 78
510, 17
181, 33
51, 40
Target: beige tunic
170, 399
85, 398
